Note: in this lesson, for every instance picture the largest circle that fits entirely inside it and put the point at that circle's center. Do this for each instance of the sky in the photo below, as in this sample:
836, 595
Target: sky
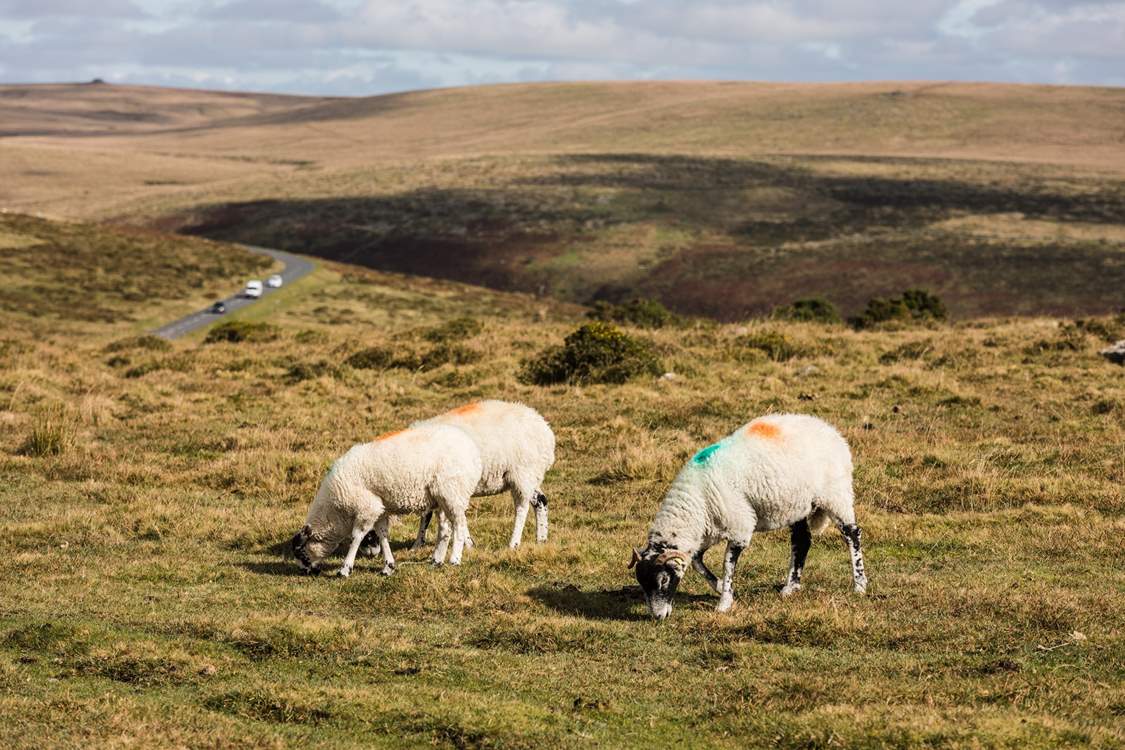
361, 47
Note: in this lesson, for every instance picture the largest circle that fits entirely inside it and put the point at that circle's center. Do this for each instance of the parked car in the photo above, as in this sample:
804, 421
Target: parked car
253, 289
273, 282
218, 308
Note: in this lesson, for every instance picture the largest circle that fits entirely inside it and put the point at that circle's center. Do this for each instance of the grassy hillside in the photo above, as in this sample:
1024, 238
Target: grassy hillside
146, 495
79, 277
721, 199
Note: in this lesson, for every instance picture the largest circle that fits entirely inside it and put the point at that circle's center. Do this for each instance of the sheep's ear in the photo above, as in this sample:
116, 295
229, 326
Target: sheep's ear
679, 564
636, 558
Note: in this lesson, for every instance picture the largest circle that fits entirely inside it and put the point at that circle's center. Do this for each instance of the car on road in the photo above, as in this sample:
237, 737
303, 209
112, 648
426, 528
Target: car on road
218, 308
253, 289
273, 282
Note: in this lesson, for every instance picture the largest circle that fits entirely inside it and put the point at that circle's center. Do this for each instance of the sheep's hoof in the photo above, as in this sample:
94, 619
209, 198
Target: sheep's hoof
418, 544
725, 603
387, 570
789, 589
437, 563
860, 587
469, 543
343, 572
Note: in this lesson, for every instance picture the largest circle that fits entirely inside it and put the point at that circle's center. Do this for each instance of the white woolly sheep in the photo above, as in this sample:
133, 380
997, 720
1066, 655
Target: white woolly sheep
516, 447
400, 472
780, 470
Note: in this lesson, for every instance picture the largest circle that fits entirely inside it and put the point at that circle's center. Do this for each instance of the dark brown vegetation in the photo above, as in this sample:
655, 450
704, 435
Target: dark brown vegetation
728, 199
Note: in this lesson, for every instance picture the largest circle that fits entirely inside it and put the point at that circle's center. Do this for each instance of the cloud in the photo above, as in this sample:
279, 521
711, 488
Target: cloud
361, 46
33, 9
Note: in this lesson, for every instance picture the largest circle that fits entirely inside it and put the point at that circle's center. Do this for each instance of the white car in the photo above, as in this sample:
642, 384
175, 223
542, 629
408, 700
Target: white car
253, 289
273, 282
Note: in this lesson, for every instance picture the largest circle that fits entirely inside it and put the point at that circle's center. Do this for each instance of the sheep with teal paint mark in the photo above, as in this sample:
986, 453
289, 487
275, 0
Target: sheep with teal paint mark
782, 470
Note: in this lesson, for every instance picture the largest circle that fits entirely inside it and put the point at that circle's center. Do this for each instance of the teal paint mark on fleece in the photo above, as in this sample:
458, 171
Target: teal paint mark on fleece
701, 458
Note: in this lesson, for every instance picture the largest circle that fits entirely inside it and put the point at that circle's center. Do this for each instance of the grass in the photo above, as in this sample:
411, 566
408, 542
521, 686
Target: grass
148, 602
77, 274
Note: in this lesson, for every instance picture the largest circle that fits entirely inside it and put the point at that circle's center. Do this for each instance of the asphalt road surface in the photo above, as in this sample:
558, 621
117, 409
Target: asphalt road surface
295, 268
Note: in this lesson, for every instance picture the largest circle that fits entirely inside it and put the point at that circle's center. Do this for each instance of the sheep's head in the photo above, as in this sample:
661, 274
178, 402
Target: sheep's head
309, 550
659, 571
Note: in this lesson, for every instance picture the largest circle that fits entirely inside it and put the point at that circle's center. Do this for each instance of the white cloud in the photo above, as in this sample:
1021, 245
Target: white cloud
361, 46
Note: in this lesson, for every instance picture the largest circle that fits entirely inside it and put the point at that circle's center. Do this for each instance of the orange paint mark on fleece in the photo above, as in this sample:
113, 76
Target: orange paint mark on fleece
461, 411
764, 430
388, 435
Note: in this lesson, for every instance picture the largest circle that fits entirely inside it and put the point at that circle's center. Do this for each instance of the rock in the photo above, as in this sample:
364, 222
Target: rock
669, 376
1115, 353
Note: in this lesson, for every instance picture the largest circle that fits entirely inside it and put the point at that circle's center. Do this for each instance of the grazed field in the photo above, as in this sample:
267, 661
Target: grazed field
721, 199
146, 492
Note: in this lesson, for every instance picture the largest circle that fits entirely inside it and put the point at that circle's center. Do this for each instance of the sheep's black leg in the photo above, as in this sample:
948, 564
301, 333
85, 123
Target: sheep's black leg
800, 539
423, 524
730, 562
852, 535
703, 570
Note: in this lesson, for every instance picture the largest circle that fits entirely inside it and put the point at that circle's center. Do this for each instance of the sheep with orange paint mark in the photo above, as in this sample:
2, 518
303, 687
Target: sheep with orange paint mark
400, 472
779, 470
516, 446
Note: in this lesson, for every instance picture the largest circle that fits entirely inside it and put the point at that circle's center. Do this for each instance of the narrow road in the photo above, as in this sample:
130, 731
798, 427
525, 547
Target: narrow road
295, 268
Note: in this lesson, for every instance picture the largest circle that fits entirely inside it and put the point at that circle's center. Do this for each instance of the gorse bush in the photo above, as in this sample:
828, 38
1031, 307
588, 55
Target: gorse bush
809, 310
595, 353
639, 312
237, 331
915, 305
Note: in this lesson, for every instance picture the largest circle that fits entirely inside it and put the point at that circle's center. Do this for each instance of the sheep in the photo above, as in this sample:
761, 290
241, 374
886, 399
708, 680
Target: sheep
779, 470
408, 471
517, 448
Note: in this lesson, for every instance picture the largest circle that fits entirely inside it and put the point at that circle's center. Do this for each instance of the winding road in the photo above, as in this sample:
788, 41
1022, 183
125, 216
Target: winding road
295, 268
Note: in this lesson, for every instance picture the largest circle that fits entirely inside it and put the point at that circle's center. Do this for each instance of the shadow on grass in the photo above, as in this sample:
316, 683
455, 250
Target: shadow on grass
604, 604
280, 560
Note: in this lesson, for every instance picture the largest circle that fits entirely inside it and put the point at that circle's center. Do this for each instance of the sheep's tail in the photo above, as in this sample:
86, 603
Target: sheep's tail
819, 521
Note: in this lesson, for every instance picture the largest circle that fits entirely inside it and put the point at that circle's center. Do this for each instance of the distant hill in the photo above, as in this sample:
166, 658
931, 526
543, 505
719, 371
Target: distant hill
721, 199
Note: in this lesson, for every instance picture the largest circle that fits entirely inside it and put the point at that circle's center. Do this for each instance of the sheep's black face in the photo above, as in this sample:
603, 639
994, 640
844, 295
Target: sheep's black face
659, 573
299, 544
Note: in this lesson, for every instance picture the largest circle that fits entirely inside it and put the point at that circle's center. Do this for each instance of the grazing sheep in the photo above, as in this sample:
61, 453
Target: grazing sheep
409, 471
516, 447
779, 470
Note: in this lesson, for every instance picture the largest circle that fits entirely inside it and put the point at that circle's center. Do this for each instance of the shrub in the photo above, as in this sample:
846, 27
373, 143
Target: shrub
638, 312
299, 371
147, 342
777, 346
809, 310
372, 358
457, 329
236, 331
447, 353
595, 353
913, 305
